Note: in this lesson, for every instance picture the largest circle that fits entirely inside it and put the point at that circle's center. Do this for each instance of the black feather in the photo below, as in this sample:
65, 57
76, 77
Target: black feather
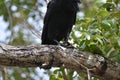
58, 21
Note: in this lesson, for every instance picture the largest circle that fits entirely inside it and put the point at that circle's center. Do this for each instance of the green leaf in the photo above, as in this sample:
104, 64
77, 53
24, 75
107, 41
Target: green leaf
109, 6
99, 40
102, 13
105, 25
115, 15
87, 36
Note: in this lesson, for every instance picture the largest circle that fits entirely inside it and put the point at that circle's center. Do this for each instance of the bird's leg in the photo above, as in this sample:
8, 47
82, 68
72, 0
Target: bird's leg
66, 43
57, 42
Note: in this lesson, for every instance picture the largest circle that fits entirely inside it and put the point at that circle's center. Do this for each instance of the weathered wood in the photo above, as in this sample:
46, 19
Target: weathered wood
34, 56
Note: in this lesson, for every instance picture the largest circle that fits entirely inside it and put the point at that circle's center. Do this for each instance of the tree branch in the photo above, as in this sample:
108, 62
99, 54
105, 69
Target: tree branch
33, 56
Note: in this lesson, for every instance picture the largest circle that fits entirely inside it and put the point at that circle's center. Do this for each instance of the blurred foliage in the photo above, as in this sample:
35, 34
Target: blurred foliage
22, 16
97, 30
19, 13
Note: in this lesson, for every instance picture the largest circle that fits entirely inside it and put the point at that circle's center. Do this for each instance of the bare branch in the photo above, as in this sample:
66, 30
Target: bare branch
33, 56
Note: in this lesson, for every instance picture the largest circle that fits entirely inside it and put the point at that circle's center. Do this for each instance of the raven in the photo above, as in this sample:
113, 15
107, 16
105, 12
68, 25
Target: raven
58, 21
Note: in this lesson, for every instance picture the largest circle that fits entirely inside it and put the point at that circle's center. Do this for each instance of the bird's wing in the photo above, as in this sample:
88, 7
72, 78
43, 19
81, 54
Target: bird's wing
51, 7
50, 11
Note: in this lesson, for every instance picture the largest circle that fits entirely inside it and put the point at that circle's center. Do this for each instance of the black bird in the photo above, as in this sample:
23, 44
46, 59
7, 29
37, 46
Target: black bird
58, 21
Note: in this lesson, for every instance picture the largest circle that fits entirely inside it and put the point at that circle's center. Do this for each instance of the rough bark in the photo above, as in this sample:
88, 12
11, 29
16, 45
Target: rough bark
34, 56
